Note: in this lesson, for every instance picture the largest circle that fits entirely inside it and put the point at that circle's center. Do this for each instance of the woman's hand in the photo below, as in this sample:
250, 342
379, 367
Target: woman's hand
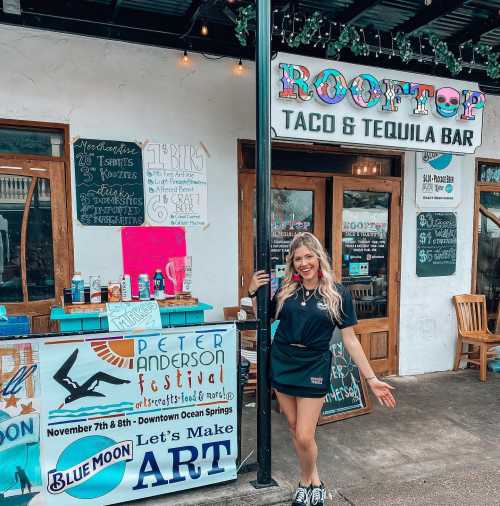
259, 278
382, 392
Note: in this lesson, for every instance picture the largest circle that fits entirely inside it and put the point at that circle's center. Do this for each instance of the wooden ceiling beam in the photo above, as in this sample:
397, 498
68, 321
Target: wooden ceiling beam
427, 14
474, 31
355, 11
114, 8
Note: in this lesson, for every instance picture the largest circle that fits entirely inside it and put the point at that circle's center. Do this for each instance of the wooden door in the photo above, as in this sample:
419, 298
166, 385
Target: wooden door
366, 251
34, 245
297, 205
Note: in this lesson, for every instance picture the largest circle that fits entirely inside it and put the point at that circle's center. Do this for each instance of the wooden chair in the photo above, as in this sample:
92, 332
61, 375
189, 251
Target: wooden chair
359, 291
473, 329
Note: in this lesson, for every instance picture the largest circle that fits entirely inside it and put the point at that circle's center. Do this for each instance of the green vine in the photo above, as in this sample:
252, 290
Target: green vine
492, 59
444, 55
245, 14
310, 33
349, 37
403, 45
311, 26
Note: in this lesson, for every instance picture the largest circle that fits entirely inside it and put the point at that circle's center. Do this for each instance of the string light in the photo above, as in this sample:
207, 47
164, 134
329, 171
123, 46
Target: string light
204, 29
239, 67
296, 28
185, 57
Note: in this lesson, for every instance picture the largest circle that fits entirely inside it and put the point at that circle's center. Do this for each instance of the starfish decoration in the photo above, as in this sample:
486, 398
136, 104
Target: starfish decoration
11, 401
26, 408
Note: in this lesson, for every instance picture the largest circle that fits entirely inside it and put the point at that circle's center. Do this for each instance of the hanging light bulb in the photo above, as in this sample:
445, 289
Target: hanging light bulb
185, 57
239, 67
204, 29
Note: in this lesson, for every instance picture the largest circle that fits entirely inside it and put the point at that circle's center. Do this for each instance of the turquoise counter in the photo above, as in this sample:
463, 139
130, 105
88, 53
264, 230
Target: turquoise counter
171, 316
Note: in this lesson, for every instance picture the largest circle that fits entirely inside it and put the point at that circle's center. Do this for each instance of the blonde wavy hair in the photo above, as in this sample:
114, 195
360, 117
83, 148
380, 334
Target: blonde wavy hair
326, 287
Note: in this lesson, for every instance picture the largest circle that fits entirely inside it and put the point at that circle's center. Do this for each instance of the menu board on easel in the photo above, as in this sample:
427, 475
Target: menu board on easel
348, 394
109, 183
436, 244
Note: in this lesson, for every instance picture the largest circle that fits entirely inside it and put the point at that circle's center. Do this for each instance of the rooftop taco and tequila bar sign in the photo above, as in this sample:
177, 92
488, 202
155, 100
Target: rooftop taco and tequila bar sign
331, 101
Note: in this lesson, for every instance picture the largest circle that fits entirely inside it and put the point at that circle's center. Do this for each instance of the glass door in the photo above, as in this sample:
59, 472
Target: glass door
366, 259
34, 258
297, 205
488, 252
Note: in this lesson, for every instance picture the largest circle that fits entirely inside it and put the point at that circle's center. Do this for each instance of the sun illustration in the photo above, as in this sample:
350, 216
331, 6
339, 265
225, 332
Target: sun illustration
119, 353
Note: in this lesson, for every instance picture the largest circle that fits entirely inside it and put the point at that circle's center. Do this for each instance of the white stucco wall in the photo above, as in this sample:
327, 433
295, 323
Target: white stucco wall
113, 90
427, 333
128, 92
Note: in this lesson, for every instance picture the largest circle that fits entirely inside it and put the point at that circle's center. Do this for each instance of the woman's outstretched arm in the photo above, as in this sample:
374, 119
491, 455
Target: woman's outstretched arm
380, 389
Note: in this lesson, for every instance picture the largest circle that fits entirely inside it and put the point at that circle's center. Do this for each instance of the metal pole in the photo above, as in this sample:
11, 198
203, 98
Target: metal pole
263, 169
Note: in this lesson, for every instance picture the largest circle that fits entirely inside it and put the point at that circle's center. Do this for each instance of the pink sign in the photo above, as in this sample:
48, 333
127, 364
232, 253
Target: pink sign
146, 249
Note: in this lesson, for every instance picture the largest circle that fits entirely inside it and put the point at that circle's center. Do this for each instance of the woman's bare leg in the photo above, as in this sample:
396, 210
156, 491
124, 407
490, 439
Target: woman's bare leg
288, 405
308, 411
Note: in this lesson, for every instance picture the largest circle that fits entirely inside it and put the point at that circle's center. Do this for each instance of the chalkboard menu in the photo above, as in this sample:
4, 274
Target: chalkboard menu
436, 244
348, 396
109, 183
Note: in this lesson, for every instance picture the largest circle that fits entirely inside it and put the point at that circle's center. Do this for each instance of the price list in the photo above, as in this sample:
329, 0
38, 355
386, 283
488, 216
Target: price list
436, 244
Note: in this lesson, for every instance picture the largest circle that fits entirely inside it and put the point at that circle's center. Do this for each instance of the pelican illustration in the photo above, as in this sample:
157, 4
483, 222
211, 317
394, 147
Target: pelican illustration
86, 389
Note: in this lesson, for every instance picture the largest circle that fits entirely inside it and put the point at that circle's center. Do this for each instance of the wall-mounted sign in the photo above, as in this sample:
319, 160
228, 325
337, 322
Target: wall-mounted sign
175, 183
437, 179
109, 185
331, 101
436, 244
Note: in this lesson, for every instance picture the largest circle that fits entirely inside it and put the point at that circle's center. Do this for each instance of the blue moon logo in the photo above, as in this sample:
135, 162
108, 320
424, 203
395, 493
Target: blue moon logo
441, 162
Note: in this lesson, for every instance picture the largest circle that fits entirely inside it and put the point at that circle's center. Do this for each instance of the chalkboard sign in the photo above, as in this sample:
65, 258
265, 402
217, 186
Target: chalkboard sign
109, 183
348, 394
436, 244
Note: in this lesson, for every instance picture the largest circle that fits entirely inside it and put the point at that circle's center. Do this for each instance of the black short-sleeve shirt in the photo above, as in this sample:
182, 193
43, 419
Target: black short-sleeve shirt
311, 325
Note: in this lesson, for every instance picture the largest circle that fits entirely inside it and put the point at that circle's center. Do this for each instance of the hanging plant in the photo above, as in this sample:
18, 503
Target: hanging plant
403, 45
245, 14
312, 25
349, 37
444, 55
492, 59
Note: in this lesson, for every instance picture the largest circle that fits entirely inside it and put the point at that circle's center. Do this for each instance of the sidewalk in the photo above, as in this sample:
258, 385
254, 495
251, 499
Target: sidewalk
441, 446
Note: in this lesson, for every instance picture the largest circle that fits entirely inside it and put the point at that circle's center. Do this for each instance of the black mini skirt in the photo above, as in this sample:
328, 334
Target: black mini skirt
299, 371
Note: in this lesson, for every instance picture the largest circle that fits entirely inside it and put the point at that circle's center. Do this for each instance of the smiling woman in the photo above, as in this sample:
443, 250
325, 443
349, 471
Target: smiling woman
310, 305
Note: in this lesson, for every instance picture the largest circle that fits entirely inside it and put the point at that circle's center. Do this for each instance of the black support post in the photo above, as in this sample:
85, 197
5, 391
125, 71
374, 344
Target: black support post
263, 169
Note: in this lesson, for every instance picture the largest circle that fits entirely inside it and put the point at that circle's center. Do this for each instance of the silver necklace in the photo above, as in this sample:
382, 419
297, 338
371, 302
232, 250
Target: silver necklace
305, 295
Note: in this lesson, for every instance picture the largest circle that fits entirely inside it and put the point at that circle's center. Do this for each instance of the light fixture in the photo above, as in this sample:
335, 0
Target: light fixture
239, 67
367, 167
204, 29
185, 57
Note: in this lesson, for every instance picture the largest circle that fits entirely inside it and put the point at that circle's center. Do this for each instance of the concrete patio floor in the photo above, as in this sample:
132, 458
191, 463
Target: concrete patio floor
440, 446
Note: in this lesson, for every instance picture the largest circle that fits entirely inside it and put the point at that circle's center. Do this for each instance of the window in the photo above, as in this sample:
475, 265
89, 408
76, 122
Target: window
487, 273
31, 141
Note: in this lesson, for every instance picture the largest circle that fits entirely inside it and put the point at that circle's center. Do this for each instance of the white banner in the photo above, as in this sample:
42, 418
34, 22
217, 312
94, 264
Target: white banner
126, 416
336, 102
